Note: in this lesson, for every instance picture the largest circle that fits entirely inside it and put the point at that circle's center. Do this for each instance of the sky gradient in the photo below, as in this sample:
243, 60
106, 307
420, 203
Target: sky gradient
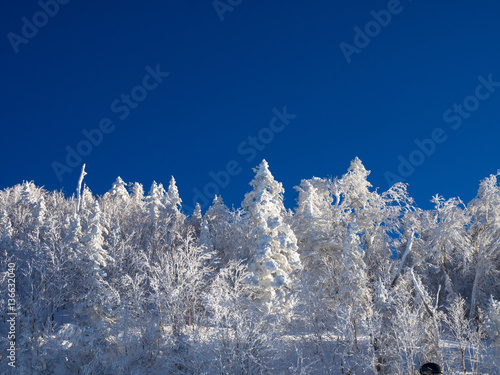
189, 88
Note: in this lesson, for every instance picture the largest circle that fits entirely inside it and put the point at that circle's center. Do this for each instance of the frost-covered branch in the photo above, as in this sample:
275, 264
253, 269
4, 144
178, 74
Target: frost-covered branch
79, 188
409, 245
420, 292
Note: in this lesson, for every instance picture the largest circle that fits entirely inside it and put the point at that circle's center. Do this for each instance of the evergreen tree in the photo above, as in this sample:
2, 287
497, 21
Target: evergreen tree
223, 232
119, 190
174, 219
196, 219
6, 231
172, 199
97, 303
137, 193
124, 282
154, 201
312, 225
273, 252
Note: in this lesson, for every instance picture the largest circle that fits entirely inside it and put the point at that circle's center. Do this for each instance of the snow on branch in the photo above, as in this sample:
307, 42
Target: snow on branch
79, 188
423, 297
409, 244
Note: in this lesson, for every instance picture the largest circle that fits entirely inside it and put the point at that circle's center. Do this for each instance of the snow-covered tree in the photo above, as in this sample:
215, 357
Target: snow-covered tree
273, 251
172, 199
313, 226
122, 282
119, 190
96, 306
137, 192
353, 288
172, 203
492, 322
154, 201
484, 251
373, 214
492, 326
6, 230
196, 219
223, 231
243, 343
467, 335
178, 280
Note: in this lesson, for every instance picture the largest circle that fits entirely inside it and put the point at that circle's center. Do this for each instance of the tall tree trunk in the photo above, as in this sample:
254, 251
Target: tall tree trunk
477, 275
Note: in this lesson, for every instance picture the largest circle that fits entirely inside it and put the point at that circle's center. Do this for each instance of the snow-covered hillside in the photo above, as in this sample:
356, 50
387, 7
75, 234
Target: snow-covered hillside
352, 281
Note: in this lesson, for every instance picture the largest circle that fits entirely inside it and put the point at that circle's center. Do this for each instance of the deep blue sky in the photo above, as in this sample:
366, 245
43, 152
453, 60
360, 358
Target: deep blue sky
227, 76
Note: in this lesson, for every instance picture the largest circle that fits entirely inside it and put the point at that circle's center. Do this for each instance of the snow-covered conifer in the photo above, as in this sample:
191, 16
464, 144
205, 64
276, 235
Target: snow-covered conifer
353, 285
273, 251
5, 230
224, 231
154, 201
99, 298
172, 199
137, 192
205, 237
313, 227
196, 219
172, 203
119, 190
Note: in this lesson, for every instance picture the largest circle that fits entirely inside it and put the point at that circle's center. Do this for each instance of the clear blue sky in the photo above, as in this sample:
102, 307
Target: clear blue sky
226, 77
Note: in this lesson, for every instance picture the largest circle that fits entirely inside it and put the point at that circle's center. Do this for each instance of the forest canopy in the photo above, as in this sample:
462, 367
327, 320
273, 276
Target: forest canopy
350, 281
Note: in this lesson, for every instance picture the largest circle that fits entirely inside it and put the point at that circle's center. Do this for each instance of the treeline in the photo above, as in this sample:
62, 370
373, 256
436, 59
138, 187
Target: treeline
352, 281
